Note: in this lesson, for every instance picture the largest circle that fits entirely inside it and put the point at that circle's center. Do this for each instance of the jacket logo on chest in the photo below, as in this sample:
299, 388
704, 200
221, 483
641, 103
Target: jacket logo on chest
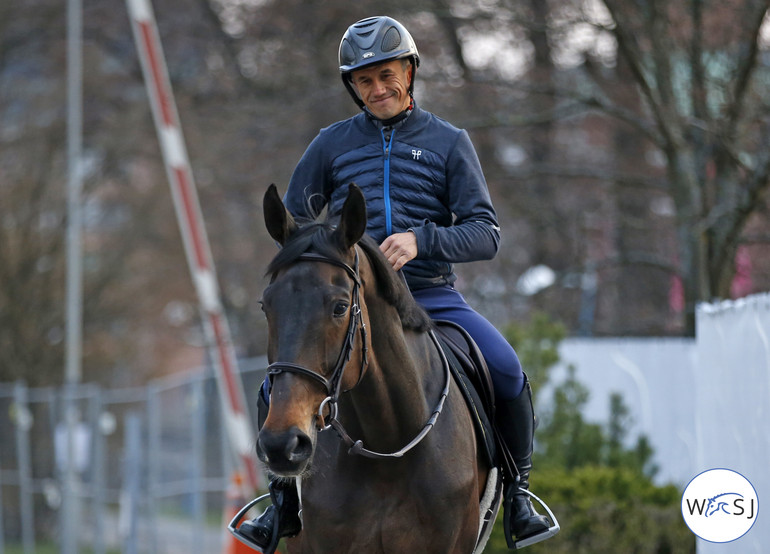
416, 154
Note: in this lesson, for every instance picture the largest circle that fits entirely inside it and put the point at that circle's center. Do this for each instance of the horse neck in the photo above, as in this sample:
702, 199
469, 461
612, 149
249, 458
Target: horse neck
402, 382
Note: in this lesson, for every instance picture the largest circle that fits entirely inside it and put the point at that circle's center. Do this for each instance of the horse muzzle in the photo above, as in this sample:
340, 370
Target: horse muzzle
286, 453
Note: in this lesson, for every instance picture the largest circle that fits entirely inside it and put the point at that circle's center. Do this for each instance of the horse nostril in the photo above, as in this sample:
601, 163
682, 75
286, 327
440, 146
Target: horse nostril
302, 448
292, 446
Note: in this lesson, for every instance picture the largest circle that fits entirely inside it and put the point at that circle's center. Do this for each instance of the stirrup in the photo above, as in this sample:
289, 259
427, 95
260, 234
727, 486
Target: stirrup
236, 521
532, 539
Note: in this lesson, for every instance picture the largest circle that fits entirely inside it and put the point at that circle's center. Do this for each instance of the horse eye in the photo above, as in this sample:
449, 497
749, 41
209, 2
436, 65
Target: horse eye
340, 309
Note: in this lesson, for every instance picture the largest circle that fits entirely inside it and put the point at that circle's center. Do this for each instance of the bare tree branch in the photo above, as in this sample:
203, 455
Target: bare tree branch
632, 54
698, 87
450, 24
747, 65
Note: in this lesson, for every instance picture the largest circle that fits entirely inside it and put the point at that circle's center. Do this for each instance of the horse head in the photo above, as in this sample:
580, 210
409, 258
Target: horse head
315, 317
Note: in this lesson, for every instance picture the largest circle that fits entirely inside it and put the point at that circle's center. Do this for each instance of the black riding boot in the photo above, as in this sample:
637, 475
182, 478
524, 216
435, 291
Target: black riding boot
277, 521
516, 423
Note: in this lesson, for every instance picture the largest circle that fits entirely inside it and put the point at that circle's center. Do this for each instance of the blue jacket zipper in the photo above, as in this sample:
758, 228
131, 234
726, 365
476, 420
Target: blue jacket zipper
386, 191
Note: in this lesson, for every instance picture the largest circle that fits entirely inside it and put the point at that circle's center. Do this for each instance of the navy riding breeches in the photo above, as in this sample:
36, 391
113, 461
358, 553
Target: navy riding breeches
444, 302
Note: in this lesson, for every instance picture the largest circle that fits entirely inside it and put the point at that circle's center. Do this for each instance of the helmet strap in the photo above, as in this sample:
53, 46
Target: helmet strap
395, 119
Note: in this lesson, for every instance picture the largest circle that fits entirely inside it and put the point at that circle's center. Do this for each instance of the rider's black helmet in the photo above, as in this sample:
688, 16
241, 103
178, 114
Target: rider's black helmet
372, 41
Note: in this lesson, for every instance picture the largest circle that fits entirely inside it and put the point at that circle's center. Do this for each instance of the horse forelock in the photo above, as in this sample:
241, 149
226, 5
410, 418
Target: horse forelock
317, 237
311, 237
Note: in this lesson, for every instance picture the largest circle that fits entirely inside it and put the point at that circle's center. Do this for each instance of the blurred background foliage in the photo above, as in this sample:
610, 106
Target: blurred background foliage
625, 146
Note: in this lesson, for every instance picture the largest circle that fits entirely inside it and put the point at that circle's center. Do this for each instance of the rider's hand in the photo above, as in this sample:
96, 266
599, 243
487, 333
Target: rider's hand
399, 248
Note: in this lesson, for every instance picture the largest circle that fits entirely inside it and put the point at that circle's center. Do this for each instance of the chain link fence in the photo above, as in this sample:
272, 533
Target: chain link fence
129, 470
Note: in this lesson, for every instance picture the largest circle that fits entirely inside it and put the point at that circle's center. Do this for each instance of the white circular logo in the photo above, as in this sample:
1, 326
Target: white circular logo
720, 505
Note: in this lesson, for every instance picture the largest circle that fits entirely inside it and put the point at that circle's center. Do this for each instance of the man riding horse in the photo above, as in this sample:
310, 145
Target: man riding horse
428, 207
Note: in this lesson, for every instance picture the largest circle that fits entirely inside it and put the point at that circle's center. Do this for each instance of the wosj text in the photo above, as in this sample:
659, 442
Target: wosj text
728, 503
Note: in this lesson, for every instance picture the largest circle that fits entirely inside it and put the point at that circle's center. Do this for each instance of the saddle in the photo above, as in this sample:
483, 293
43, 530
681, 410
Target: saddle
470, 372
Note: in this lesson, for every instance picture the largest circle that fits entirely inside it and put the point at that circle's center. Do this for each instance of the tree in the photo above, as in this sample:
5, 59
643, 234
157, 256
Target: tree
564, 438
31, 268
680, 86
700, 77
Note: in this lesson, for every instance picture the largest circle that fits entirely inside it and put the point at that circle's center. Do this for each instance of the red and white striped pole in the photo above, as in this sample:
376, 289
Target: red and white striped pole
193, 231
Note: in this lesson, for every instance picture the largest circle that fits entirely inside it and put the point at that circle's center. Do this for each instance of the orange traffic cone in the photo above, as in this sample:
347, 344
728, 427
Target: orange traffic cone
234, 500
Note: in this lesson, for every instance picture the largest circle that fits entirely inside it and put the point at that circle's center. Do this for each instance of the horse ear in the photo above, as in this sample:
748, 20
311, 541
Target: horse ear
279, 222
352, 224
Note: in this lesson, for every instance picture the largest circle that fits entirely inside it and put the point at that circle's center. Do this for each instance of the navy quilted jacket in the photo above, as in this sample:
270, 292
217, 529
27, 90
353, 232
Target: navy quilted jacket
421, 175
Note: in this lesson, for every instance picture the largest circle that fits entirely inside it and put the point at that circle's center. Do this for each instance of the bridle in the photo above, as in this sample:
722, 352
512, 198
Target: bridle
333, 384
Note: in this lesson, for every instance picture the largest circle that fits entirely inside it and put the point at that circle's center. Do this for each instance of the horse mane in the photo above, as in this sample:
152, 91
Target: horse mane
317, 237
393, 288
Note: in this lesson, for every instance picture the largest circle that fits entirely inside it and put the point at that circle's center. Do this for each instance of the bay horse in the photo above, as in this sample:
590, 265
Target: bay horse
363, 412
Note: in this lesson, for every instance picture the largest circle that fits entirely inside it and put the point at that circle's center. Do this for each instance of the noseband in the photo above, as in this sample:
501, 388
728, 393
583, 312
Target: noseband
333, 384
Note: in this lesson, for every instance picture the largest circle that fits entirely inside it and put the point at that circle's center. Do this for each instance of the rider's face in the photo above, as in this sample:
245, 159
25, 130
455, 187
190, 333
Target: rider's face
384, 88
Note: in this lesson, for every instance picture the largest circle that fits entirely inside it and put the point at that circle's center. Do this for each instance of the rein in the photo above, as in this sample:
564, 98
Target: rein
333, 384
357, 447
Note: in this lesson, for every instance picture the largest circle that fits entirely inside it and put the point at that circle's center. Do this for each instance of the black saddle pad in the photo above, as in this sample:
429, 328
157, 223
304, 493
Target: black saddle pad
472, 376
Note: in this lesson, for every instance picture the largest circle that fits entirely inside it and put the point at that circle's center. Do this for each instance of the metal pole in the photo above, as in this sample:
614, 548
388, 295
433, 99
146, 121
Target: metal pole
197, 464
98, 480
73, 369
2, 532
74, 188
154, 424
71, 490
24, 460
131, 470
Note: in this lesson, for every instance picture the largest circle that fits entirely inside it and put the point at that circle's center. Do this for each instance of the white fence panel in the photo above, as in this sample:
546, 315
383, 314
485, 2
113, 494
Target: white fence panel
732, 403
